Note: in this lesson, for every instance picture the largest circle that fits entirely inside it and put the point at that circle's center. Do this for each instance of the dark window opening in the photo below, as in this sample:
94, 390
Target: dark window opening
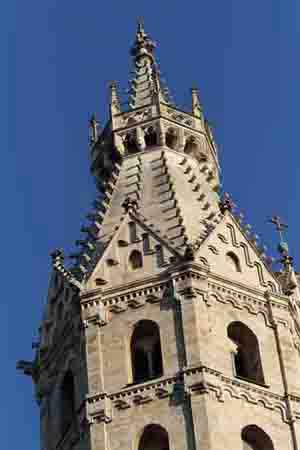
171, 139
234, 261
146, 352
191, 146
247, 361
130, 145
154, 437
150, 137
135, 260
254, 438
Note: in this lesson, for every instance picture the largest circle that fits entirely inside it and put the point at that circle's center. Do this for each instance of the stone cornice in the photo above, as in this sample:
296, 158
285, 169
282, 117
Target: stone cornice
192, 381
189, 278
209, 381
153, 281
280, 298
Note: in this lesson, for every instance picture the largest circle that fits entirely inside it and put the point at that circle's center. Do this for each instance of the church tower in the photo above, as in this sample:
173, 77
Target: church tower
169, 330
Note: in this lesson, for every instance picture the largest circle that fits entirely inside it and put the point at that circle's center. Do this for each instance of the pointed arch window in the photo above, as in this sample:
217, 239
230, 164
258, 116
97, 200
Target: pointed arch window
171, 138
191, 146
246, 358
150, 137
130, 145
254, 438
146, 353
154, 437
67, 402
233, 261
135, 260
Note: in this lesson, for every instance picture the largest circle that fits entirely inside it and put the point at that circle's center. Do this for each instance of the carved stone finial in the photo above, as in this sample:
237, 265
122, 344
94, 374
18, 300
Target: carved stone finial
288, 277
226, 203
196, 105
57, 256
94, 125
115, 107
130, 204
143, 45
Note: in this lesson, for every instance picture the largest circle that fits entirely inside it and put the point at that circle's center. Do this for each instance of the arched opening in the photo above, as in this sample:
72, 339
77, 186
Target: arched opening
130, 145
171, 138
233, 261
146, 354
150, 137
247, 361
154, 437
135, 260
191, 146
254, 438
68, 402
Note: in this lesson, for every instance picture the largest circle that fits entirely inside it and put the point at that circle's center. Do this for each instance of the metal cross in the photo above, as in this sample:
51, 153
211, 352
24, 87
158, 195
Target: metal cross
280, 226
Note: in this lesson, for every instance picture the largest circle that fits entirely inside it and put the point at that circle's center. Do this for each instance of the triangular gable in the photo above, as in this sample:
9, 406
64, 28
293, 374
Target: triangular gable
113, 267
229, 253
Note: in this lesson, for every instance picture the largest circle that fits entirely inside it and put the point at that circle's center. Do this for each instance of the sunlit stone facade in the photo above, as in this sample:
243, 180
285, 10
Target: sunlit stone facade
170, 330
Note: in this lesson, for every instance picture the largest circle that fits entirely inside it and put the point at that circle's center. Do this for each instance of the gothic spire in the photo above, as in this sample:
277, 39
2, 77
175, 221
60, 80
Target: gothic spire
146, 82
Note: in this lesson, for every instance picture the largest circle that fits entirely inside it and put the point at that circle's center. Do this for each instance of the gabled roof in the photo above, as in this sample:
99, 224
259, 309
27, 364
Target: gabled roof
231, 254
111, 266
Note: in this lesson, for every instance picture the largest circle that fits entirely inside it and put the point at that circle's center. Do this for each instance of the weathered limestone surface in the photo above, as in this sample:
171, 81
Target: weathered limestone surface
165, 252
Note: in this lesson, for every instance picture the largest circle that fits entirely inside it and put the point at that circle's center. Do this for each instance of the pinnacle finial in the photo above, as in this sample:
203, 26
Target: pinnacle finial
143, 45
280, 227
196, 104
226, 203
114, 99
140, 25
94, 124
288, 278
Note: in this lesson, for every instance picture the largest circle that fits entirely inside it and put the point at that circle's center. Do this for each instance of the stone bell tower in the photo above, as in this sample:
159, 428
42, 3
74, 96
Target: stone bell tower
169, 330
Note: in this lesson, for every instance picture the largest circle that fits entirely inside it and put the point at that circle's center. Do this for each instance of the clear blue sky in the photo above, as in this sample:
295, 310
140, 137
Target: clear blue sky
57, 60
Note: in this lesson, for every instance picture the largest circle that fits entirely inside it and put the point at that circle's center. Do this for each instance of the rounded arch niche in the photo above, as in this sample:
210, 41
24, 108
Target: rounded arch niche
171, 138
154, 437
146, 355
135, 260
247, 359
254, 438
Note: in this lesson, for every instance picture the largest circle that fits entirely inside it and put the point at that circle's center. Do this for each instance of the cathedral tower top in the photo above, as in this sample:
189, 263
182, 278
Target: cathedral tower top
169, 314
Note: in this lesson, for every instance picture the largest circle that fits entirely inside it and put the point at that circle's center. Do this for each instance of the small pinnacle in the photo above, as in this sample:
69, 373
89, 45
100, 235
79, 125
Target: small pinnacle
57, 254
196, 104
226, 203
113, 84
